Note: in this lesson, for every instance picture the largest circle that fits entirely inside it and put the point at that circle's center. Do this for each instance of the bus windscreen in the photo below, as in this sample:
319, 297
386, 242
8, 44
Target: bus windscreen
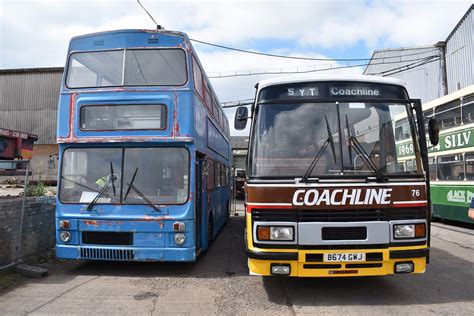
142, 67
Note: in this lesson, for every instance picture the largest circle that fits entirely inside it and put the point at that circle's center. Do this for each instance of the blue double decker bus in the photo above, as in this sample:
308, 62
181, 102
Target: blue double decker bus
145, 157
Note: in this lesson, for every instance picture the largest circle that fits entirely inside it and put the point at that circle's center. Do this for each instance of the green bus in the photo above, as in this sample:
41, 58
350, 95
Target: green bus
451, 162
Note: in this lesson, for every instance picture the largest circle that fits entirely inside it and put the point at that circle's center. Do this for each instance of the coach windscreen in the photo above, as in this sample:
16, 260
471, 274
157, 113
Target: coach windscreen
329, 131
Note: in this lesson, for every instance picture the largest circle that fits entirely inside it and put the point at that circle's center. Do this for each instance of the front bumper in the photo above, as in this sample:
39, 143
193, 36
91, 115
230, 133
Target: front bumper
309, 263
110, 253
145, 240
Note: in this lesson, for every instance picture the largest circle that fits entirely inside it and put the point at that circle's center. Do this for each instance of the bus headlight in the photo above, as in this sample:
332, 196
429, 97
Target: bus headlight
179, 238
276, 233
65, 236
406, 231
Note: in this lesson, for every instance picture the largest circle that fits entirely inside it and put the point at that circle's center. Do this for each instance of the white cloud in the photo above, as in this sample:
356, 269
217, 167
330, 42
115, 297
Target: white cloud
36, 33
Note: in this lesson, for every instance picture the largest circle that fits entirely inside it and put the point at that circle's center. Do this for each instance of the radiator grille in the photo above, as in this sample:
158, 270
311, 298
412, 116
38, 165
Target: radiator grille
356, 215
107, 254
344, 233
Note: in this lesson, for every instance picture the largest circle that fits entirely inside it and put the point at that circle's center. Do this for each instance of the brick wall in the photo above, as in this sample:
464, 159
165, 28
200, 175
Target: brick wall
38, 227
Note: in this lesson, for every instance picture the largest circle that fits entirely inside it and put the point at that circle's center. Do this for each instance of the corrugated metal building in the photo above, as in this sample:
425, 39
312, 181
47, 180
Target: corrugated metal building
419, 67
460, 53
29, 100
431, 71
28, 103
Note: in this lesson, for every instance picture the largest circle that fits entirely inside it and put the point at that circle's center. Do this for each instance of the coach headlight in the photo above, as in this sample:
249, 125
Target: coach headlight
404, 231
281, 233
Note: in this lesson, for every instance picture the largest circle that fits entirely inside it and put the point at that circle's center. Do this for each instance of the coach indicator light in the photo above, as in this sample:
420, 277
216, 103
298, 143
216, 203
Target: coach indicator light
263, 233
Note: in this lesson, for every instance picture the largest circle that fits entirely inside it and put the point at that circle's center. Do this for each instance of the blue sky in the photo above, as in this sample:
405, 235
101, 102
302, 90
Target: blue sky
35, 33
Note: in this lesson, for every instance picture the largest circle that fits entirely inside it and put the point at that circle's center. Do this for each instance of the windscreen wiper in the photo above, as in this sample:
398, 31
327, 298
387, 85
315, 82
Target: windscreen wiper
131, 186
328, 141
111, 179
353, 142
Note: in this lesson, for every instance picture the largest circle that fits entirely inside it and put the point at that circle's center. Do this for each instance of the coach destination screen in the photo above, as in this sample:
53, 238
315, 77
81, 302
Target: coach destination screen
333, 90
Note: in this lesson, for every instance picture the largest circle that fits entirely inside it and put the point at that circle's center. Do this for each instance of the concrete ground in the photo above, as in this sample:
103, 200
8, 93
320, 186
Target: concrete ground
219, 284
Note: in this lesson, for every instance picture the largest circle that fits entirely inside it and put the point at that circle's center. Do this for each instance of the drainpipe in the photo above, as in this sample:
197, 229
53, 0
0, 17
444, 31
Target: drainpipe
442, 66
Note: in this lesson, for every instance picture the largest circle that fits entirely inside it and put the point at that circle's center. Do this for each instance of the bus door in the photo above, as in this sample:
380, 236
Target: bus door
200, 219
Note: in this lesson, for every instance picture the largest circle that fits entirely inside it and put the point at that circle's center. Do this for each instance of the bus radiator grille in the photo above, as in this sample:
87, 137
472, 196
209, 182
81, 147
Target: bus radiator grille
107, 254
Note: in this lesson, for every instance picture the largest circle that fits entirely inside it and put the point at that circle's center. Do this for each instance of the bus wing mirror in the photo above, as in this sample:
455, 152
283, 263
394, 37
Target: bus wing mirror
433, 131
241, 116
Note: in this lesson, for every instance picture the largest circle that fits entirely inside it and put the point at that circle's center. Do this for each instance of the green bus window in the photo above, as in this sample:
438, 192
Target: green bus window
469, 166
449, 115
410, 165
468, 109
402, 130
451, 168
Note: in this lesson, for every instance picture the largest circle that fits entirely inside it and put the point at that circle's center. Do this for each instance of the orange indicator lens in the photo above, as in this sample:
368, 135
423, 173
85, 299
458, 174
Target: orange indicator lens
420, 230
263, 233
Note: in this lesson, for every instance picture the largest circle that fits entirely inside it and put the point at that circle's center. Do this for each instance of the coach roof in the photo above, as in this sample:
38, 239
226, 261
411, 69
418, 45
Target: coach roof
335, 77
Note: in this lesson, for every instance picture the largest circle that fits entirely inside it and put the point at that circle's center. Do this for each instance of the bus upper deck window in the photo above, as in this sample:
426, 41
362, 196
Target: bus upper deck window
449, 115
142, 67
155, 67
468, 108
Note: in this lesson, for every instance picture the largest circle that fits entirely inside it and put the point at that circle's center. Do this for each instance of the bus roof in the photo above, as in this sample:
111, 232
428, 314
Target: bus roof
449, 97
333, 77
162, 31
